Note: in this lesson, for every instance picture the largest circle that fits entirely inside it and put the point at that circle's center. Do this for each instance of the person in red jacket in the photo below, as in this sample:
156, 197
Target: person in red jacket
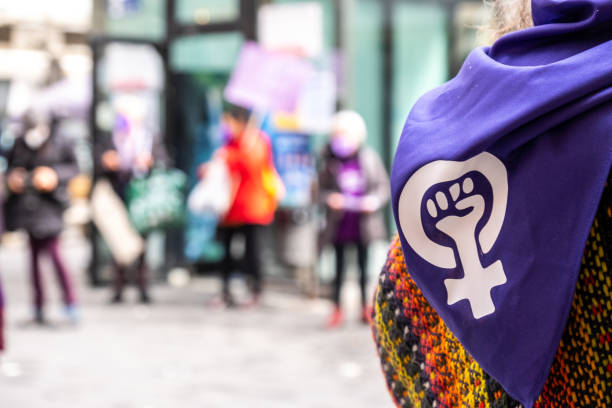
255, 190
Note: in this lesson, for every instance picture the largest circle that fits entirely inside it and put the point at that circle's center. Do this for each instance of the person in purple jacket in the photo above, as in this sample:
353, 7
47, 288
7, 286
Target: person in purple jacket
354, 187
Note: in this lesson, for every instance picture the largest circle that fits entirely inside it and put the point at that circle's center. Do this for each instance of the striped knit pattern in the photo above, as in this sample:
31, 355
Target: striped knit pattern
1, 318
426, 366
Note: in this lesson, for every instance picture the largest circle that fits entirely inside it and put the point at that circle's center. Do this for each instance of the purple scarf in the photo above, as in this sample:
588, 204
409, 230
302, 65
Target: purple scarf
496, 181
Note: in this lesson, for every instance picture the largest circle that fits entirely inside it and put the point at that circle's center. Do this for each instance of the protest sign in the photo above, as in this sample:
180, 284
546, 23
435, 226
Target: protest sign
267, 81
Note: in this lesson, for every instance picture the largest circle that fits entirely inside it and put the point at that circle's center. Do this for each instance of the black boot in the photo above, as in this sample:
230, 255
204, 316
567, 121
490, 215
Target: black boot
145, 299
117, 298
228, 300
39, 317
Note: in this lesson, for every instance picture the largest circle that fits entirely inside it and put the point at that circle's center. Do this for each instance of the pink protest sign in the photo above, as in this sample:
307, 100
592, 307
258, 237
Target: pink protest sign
266, 80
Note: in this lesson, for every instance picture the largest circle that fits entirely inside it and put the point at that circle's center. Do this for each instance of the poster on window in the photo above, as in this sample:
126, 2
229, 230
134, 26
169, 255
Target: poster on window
122, 8
267, 81
294, 28
295, 164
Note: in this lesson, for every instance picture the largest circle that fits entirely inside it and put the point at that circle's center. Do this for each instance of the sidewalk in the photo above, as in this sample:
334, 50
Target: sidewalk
180, 352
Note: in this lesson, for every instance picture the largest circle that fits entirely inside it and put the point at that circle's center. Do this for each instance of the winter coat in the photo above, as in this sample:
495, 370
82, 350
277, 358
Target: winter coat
121, 179
372, 225
247, 162
40, 214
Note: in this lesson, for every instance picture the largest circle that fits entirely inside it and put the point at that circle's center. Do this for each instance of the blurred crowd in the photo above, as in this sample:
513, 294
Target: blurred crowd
245, 138
137, 191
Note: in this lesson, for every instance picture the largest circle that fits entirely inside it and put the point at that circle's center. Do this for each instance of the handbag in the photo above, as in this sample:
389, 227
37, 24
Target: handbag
111, 218
212, 194
273, 186
157, 201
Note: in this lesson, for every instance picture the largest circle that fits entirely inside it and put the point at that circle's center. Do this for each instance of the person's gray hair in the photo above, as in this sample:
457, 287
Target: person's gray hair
508, 16
352, 123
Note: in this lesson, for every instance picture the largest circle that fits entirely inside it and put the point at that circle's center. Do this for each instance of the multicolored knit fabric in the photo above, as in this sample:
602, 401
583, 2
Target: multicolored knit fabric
1, 329
1, 319
426, 366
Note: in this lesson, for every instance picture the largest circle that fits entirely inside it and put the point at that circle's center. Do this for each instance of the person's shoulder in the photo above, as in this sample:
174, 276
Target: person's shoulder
229, 154
367, 150
325, 152
367, 153
62, 138
19, 147
62, 142
263, 135
264, 139
19, 142
371, 160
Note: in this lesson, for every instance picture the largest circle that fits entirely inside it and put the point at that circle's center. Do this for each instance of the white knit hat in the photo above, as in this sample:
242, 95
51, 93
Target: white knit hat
350, 123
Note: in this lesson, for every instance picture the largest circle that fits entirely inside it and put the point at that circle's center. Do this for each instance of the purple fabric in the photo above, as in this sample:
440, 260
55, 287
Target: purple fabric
267, 81
352, 183
497, 177
1, 296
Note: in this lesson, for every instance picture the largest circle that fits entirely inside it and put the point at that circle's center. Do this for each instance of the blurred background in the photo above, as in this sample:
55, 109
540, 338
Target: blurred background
162, 68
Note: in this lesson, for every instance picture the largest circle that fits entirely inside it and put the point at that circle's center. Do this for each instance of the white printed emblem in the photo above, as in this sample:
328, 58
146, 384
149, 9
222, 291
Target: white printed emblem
457, 197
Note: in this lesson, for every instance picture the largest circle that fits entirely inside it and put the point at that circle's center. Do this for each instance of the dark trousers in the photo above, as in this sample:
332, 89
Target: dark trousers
362, 261
250, 262
51, 246
142, 276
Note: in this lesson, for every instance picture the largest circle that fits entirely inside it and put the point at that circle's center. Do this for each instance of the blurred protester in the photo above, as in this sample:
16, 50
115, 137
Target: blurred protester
40, 165
256, 189
354, 187
131, 150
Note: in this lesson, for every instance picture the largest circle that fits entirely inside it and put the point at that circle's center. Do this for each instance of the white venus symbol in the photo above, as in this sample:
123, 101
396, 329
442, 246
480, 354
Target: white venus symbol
477, 282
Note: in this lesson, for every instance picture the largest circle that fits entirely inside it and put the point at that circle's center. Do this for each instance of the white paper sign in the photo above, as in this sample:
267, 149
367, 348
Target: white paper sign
317, 103
295, 28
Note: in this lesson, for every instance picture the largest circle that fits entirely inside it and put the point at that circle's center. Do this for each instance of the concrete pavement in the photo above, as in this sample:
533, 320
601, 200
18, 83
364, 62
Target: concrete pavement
180, 352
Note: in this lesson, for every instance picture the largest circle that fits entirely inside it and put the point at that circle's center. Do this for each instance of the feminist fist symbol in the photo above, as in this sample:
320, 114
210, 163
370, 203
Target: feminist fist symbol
457, 212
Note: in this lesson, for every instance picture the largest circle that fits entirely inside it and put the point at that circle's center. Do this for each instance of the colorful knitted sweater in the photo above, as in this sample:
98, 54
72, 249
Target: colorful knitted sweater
1, 318
426, 366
